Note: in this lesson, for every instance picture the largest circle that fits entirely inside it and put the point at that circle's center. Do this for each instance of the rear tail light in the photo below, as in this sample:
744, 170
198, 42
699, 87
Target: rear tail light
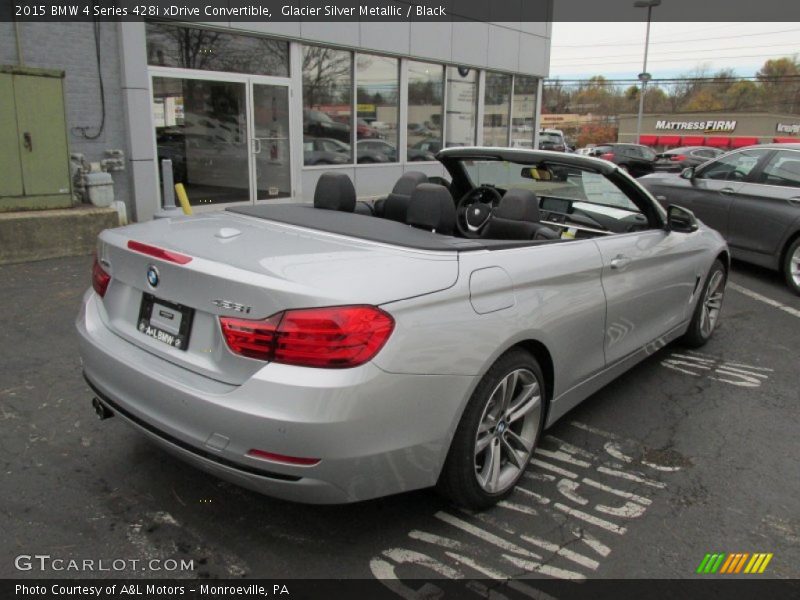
100, 279
336, 337
607, 156
677, 157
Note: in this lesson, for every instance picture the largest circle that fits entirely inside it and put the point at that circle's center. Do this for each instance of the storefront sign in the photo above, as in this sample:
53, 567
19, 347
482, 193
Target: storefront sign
788, 128
706, 126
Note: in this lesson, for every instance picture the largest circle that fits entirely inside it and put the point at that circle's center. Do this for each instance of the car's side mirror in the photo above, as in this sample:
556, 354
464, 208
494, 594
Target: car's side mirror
688, 173
681, 220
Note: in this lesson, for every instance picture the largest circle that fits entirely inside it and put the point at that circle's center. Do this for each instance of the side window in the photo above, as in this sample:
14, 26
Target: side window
782, 169
732, 167
648, 153
704, 153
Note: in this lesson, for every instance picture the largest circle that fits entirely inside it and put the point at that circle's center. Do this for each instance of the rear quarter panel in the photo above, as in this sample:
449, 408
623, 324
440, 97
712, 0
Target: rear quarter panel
555, 297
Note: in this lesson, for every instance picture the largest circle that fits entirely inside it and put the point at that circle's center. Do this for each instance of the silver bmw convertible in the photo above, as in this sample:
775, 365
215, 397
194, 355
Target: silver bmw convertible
346, 350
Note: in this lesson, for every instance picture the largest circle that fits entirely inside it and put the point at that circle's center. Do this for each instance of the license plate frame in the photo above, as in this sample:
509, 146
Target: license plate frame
178, 340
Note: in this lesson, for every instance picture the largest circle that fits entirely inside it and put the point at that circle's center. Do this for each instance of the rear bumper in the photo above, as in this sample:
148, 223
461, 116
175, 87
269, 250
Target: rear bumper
375, 433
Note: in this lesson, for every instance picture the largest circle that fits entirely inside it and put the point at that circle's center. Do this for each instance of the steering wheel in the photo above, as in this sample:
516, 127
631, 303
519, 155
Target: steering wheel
474, 210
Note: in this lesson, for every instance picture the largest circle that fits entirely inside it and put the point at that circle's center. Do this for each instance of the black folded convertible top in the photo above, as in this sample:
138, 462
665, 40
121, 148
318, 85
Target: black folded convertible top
369, 228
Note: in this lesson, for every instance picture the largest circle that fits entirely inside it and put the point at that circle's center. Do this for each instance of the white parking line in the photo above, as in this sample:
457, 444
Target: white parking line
602, 523
484, 535
756, 296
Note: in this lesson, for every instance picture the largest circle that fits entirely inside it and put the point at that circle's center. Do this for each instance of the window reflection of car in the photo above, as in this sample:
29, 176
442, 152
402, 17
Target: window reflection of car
364, 130
366, 148
318, 124
418, 129
752, 197
430, 145
325, 151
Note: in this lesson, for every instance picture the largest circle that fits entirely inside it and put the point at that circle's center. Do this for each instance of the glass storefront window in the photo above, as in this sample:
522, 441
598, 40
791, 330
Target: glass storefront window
496, 99
425, 100
462, 99
201, 126
327, 104
377, 102
209, 50
523, 111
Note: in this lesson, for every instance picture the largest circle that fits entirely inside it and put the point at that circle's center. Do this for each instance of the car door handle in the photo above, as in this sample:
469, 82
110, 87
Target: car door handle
727, 191
620, 262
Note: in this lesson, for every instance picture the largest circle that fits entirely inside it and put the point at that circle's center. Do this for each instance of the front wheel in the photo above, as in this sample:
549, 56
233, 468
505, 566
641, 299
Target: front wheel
497, 434
791, 266
706, 313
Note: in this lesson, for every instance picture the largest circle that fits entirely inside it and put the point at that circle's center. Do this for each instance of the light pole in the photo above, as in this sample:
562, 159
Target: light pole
644, 76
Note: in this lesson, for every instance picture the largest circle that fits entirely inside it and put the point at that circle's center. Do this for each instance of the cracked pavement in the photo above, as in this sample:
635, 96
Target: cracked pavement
724, 480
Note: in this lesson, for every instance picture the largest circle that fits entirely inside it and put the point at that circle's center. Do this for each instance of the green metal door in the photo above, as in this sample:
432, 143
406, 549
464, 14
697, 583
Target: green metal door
34, 155
10, 165
42, 135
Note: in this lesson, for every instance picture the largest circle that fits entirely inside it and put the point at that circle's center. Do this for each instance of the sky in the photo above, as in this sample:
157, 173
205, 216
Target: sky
616, 50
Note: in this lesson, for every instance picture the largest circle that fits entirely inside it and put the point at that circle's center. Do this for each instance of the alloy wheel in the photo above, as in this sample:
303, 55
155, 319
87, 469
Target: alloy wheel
712, 303
507, 431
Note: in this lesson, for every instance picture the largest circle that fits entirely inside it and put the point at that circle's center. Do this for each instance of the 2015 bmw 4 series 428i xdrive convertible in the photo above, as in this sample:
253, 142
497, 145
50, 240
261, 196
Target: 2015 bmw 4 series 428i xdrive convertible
343, 351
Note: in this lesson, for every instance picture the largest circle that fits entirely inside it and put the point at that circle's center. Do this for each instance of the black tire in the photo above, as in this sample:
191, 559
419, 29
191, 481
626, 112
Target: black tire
698, 334
459, 479
792, 275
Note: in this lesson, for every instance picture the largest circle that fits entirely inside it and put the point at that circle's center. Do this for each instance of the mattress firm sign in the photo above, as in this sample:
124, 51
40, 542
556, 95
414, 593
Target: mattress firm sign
705, 126
788, 128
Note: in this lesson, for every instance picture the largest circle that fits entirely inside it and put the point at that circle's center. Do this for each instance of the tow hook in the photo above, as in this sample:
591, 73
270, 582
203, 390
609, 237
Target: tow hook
101, 409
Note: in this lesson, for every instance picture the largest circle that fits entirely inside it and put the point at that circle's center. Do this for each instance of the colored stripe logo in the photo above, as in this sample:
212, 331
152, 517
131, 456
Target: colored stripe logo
733, 563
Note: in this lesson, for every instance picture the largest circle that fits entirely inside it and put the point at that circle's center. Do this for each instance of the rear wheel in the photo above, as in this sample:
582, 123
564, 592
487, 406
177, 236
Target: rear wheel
791, 266
706, 313
497, 434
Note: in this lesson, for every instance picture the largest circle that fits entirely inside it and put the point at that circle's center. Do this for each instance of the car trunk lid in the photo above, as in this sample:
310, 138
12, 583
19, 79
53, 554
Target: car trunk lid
247, 268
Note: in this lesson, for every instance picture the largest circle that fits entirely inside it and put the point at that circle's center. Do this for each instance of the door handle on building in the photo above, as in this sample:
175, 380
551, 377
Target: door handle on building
256, 145
620, 262
28, 141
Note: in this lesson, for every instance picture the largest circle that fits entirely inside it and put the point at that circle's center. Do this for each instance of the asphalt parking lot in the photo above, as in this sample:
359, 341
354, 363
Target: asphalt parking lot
689, 453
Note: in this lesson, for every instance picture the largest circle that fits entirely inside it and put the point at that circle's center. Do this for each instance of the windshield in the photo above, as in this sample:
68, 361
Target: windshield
566, 182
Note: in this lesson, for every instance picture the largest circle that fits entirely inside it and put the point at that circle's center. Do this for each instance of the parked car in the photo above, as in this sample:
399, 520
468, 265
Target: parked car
318, 124
636, 159
321, 355
676, 160
367, 148
752, 197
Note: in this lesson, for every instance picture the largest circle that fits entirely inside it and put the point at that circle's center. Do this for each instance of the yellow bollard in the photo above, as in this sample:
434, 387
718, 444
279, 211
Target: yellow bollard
183, 199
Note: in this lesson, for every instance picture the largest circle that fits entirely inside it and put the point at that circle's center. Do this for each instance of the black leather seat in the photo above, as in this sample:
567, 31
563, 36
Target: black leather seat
517, 218
335, 191
431, 207
395, 206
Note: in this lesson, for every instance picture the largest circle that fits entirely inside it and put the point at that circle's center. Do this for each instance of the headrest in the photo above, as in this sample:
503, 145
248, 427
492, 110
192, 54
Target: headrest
431, 207
335, 191
518, 205
410, 180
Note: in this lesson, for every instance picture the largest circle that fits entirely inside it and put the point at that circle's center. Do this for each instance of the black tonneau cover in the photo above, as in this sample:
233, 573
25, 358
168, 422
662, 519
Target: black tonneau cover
369, 228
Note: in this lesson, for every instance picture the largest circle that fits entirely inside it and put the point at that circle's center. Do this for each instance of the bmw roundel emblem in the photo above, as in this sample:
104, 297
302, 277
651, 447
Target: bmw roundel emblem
152, 276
